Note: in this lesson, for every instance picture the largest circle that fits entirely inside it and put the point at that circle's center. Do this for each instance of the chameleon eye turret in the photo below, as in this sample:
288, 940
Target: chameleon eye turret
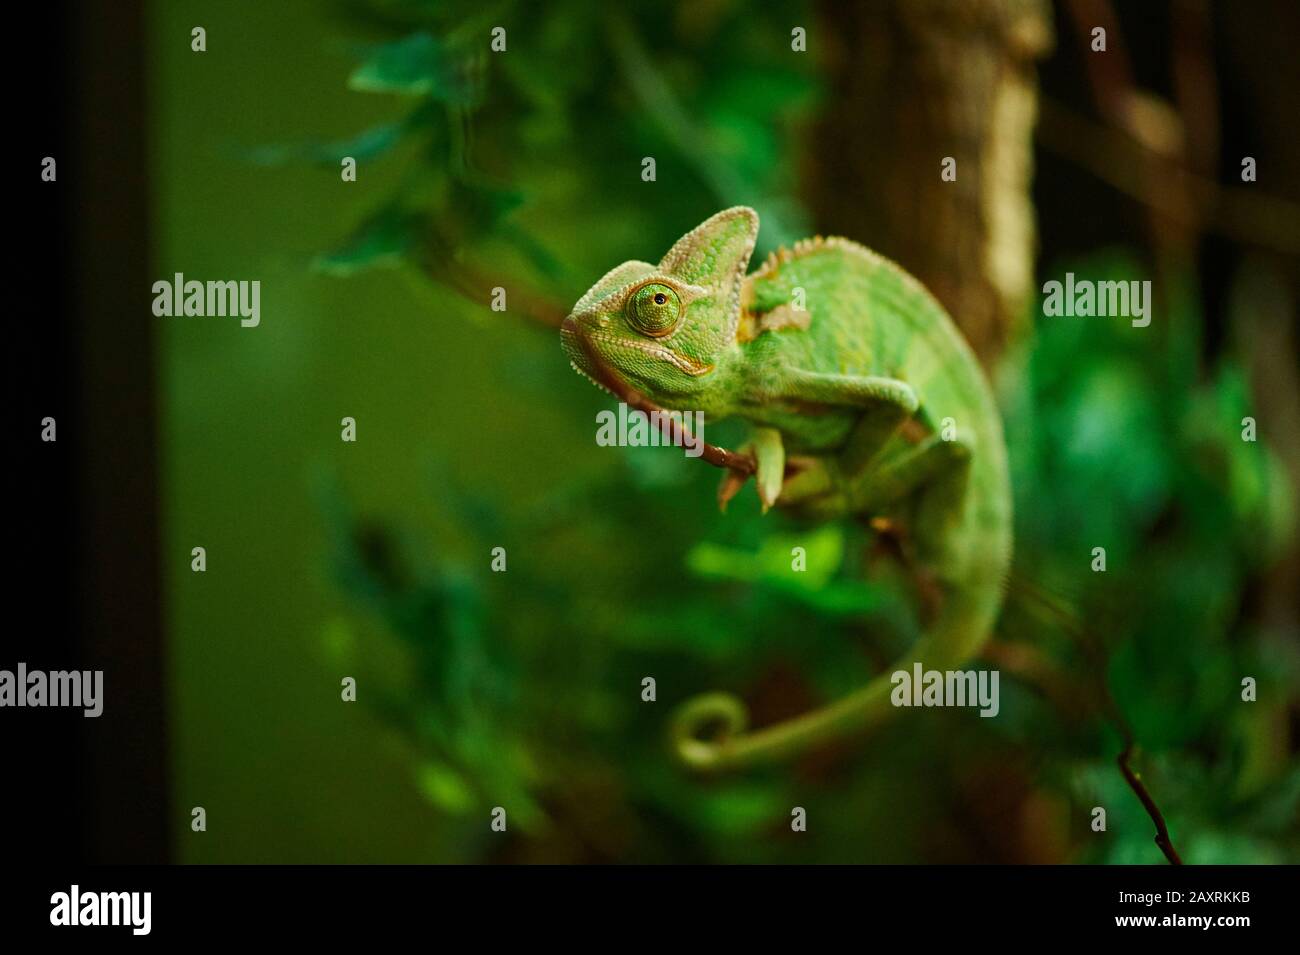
654, 310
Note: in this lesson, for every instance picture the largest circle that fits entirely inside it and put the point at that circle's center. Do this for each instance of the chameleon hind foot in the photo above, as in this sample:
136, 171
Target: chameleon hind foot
893, 540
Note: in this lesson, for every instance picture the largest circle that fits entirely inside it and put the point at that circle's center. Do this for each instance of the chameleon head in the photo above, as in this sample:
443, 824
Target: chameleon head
667, 329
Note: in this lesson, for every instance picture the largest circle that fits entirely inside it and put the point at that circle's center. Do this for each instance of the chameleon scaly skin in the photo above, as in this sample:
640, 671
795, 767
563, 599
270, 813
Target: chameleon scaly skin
864, 399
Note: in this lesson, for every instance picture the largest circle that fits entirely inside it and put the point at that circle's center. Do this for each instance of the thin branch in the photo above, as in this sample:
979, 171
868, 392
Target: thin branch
475, 287
1135, 782
1048, 608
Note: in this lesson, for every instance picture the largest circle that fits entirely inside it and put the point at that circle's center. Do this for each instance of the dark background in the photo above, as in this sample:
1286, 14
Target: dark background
83, 577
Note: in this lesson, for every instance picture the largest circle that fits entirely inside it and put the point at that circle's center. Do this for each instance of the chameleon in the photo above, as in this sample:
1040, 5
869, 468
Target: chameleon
862, 400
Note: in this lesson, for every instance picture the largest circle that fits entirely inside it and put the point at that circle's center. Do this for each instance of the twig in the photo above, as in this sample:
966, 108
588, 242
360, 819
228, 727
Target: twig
475, 287
1131, 777
1135, 782
1046, 606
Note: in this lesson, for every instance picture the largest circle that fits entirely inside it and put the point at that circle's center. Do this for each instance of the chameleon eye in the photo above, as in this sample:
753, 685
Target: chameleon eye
655, 310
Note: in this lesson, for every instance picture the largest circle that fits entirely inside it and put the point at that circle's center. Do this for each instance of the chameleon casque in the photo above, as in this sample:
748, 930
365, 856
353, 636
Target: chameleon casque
864, 402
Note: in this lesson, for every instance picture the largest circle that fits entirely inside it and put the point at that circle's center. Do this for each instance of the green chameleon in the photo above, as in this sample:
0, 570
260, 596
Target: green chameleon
864, 400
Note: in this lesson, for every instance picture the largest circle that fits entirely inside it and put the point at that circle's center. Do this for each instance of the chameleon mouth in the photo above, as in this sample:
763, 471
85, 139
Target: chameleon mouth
571, 335
579, 352
580, 358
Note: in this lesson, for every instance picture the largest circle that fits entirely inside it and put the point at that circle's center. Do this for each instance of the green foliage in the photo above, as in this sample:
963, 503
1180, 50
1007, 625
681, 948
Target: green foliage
1119, 439
523, 688
632, 87
419, 65
773, 568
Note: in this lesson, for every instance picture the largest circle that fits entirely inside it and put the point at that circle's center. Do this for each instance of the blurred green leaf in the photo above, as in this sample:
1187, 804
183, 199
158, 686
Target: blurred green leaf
417, 65
773, 567
382, 240
445, 788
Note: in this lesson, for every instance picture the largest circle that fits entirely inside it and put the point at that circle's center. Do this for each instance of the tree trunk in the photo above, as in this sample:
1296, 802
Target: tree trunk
915, 82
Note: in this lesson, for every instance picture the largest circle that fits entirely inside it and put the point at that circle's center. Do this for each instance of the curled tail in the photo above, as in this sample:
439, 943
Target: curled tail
964, 624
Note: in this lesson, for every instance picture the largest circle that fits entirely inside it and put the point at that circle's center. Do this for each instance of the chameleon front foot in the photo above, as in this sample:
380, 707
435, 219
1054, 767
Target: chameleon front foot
731, 484
767, 451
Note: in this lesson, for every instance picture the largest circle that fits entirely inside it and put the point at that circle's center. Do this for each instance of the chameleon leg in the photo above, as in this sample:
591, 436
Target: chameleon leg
878, 423
824, 487
883, 405
806, 478
909, 471
930, 480
849, 391
768, 451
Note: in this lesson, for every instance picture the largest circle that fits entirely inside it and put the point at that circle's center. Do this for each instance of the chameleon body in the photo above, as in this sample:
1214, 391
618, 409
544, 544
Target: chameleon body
864, 400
